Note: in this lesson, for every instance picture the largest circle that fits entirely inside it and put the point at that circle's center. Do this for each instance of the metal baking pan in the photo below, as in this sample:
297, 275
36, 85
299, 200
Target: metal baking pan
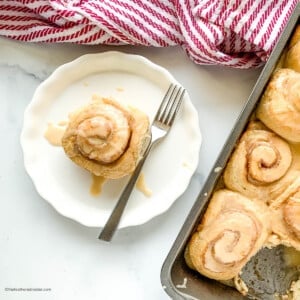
178, 280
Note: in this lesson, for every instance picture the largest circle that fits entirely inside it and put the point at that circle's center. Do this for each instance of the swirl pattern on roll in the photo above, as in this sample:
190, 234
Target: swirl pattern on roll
106, 138
105, 134
259, 166
279, 108
233, 229
286, 215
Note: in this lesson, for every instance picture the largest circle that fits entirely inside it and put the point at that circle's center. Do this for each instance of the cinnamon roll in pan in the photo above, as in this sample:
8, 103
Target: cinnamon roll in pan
285, 212
233, 229
106, 138
261, 164
292, 57
279, 108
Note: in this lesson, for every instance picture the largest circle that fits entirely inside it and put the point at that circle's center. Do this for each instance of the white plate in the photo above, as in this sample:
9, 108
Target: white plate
128, 78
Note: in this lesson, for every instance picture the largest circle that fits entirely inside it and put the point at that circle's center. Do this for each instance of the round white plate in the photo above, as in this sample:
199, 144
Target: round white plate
131, 79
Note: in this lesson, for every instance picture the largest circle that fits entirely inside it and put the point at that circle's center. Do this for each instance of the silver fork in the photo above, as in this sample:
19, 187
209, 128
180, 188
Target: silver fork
161, 125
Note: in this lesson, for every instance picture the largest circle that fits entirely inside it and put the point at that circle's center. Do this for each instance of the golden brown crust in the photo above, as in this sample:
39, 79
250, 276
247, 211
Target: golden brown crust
292, 58
260, 166
279, 108
111, 148
233, 229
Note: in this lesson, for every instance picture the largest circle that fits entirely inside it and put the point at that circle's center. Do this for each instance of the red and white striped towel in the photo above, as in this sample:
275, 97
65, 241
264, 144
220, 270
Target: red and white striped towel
235, 33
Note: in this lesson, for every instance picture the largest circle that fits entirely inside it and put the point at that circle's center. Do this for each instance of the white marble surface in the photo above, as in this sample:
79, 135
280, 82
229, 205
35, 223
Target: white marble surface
42, 249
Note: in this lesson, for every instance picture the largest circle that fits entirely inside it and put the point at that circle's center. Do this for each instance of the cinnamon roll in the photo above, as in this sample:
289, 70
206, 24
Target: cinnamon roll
279, 108
259, 166
106, 138
292, 57
286, 216
233, 229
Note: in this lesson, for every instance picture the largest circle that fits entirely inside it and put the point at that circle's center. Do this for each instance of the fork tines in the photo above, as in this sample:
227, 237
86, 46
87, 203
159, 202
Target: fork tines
173, 95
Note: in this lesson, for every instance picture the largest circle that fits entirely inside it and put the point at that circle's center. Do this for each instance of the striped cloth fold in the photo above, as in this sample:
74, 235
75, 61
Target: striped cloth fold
235, 33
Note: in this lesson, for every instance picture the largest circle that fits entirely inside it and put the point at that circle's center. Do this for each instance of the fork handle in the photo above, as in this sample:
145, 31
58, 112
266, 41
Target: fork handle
115, 217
